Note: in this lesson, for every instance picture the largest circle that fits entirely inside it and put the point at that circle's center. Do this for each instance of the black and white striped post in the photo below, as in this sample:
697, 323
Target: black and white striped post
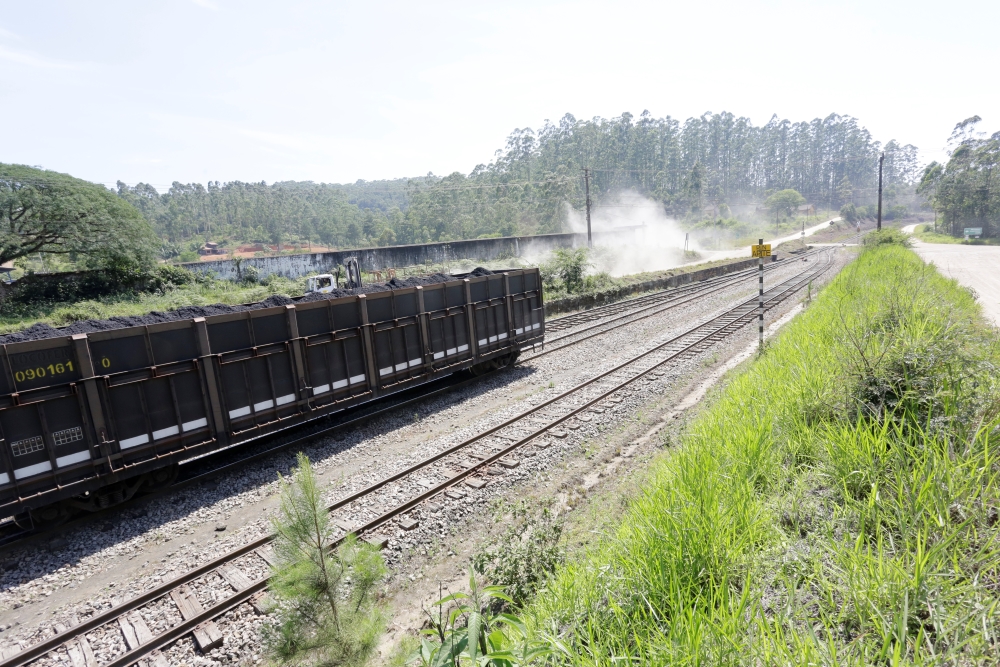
760, 297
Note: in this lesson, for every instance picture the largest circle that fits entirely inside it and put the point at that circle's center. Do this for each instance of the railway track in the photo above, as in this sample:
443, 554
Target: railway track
634, 310
647, 300
441, 473
608, 318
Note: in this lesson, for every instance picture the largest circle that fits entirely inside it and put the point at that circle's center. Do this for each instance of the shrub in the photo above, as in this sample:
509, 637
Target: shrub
249, 275
524, 556
473, 633
887, 236
168, 274
568, 266
894, 213
598, 281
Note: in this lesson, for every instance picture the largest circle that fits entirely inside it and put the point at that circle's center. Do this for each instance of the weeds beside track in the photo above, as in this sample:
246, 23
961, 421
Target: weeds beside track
837, 504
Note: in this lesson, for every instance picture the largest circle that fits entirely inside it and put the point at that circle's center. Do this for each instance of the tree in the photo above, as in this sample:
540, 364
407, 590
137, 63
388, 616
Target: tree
962, 192
849, 213
694, 186
784, 201
353, 233
845, 191
48, 212
568, 265
325, 603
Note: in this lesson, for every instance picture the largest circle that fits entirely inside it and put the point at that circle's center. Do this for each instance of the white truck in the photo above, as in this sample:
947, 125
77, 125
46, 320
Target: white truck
324, 283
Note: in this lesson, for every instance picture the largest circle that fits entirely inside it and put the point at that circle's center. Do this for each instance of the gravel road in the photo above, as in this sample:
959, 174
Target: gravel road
975, 266
744, 252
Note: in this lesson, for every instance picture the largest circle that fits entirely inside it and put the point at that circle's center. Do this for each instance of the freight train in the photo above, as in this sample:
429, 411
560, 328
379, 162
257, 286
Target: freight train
87, 421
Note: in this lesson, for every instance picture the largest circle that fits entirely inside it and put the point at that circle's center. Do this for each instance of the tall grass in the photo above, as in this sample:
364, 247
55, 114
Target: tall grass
836, 505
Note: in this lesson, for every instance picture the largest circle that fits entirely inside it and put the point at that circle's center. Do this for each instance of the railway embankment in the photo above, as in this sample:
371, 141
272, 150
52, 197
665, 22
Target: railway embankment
674, 279
837, 498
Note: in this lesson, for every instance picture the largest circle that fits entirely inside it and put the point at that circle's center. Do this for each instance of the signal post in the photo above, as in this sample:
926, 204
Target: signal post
760, 251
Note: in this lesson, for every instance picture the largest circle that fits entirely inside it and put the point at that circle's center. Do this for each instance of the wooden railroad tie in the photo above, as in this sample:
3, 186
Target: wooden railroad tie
235, 577
260, 602
207, 635
135, 630
266, 552
80, 653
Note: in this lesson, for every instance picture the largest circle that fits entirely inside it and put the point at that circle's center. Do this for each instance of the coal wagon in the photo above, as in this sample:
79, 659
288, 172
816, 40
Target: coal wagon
89, 420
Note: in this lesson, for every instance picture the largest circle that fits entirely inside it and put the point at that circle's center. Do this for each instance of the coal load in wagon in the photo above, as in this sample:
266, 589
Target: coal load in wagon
41, 331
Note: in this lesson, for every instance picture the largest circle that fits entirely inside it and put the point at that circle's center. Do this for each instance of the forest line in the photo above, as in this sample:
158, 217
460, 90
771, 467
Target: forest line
716, 170
693, 168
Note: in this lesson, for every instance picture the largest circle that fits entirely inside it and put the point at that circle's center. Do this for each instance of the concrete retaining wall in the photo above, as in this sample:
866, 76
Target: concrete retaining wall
378, 259
586, 301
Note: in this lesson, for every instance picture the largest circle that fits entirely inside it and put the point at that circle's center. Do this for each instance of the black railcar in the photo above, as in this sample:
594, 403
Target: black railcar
88, 420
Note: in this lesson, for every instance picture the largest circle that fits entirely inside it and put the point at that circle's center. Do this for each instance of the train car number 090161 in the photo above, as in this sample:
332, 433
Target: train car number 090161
40, 372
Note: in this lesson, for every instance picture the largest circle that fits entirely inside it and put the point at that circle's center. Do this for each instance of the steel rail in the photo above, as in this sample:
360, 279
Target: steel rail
654, 297
175, 633
607, 310
16, 536
19, 537
616, 323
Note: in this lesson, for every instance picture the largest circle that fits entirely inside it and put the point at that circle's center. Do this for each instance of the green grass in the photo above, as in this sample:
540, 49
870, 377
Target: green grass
602, 282
926, 234
837, 504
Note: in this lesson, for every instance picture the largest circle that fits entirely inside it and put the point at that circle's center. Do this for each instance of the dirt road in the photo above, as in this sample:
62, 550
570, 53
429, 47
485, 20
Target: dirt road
744, 252
974, 266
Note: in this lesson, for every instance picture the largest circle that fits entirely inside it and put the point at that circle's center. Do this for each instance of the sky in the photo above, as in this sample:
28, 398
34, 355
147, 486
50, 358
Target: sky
199, 90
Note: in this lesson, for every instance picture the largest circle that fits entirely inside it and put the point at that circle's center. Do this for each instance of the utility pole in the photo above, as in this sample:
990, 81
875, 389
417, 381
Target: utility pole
880, 159
586, 181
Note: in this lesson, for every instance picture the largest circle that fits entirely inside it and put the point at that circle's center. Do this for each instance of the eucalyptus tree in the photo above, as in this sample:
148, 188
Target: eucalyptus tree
711, 160
962, 191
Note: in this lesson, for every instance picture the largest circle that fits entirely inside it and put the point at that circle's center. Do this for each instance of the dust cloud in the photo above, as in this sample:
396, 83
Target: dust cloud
632, 234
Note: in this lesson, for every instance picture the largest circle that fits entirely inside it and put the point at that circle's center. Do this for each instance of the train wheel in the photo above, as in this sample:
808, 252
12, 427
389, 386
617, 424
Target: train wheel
48, 517
509, 360
481, 368
161, 478
496, 364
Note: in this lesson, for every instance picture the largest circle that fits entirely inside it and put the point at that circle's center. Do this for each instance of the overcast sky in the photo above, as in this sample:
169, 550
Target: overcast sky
198, 90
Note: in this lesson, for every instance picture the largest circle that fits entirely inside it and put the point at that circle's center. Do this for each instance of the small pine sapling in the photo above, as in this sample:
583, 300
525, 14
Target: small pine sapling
324, 600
